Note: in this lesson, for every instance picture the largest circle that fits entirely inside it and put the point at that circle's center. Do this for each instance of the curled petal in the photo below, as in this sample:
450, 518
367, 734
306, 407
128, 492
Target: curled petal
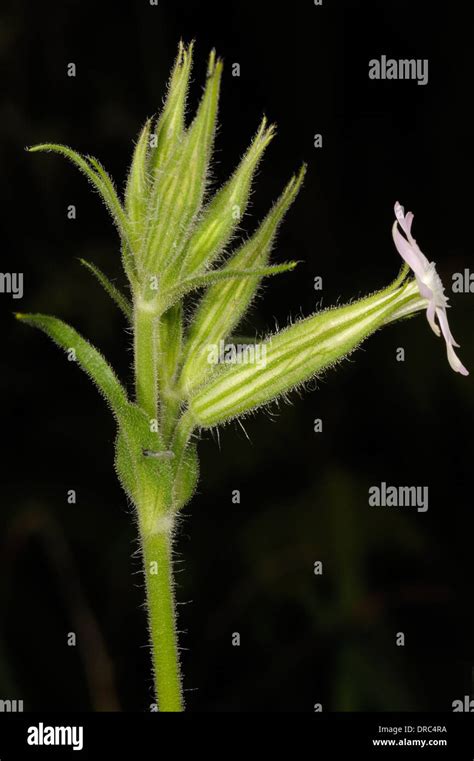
405, 221
443, 321
401, 219
453, 360
430, 316
408, 253
409, 217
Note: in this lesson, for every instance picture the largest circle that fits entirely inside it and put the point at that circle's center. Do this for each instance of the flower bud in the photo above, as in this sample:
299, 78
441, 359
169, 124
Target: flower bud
295, 355
178, 191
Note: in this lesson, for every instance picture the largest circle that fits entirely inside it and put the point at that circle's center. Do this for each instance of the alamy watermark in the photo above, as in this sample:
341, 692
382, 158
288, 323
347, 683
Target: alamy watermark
11, 706
12, 282
404, 68
463, 282
237, 354
399, 496
42, 734
466, 705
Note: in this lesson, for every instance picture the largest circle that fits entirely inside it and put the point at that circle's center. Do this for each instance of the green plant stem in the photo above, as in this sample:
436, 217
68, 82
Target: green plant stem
156, 539
146, 359
157, 550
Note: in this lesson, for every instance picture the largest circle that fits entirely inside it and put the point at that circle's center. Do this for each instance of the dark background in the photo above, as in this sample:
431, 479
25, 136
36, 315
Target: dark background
244, 568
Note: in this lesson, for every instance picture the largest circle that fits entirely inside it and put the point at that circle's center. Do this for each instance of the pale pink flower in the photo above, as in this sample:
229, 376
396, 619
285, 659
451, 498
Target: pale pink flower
428, 281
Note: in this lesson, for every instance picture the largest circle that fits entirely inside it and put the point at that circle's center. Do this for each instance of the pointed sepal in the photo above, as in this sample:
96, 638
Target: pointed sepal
225, 303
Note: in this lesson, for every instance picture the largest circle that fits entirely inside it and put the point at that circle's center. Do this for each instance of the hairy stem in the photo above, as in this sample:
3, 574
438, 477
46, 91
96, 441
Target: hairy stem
156, 538
146, 380
162, 619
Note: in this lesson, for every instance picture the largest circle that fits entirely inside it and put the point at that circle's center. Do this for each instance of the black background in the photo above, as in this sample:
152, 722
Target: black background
244, 568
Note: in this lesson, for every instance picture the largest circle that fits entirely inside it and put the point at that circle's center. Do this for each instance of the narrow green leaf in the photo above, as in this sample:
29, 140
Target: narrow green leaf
99, 178
210, 278
87, 357
136, 471
122, 302
128, 251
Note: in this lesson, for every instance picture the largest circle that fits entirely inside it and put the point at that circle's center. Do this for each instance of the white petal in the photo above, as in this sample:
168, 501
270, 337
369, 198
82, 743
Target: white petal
430, 316
455, 362
443, 321
407, 252
409, 217
401, 217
